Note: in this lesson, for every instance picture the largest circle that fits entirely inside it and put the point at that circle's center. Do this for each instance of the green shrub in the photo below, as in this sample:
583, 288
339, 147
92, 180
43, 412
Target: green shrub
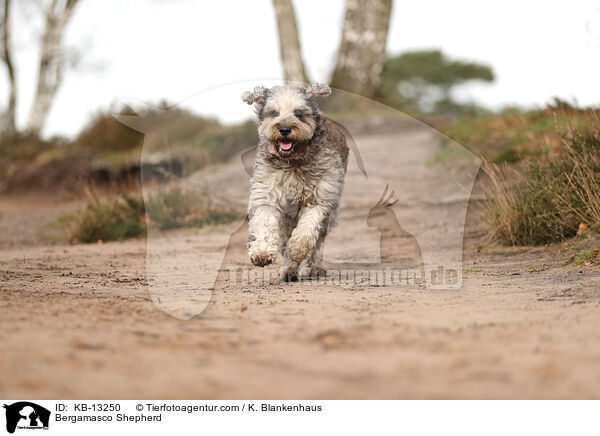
175, 208
107, 147
588, 257
119, 219
105, 134
125, 216
19, 150
225, 142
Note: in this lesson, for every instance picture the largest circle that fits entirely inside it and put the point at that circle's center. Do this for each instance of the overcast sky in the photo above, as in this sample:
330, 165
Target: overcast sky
153, 49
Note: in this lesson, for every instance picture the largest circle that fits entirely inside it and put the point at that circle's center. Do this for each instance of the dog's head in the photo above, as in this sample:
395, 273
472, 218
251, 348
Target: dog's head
288, 117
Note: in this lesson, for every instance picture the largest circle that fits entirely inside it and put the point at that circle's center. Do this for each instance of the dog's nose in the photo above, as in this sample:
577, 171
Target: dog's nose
285, 130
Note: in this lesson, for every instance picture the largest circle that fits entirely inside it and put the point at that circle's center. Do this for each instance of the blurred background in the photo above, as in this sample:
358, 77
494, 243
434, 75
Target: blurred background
151, 50
513, 81
498, 78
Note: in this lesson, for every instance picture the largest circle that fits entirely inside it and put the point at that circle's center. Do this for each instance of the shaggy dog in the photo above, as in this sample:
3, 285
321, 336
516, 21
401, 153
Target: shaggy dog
298, 179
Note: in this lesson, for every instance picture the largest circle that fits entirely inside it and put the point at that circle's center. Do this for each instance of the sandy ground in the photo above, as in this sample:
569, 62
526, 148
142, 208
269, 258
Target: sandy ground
78, 321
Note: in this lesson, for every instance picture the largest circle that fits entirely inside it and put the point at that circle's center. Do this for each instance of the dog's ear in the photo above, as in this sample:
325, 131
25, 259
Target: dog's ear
318, 90
258, 95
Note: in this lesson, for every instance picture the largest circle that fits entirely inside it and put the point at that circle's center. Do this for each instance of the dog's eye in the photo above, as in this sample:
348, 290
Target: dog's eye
272, 114
299, 113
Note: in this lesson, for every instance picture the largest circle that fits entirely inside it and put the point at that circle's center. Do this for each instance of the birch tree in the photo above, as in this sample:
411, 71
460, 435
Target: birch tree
361, 53
51, 64
8, 117
289, 42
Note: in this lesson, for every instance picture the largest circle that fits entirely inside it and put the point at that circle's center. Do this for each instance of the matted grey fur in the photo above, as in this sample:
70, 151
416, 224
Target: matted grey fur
298, 178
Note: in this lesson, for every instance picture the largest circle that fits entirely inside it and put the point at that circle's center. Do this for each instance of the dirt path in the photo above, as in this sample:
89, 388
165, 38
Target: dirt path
78, 321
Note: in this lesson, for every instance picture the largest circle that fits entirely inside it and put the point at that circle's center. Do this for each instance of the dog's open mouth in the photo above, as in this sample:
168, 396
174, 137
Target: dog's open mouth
286, 147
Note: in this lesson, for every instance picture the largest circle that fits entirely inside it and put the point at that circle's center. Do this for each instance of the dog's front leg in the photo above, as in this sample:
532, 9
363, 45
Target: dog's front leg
304, 238
263, 235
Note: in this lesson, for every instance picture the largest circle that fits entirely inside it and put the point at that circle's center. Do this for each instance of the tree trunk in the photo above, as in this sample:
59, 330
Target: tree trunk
289, 42
51, 63
8, 117
361, 54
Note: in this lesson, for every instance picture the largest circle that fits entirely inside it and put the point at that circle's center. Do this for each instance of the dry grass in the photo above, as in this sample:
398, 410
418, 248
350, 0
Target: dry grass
554, 196
514, 135
125, 216
175, 208
105, 220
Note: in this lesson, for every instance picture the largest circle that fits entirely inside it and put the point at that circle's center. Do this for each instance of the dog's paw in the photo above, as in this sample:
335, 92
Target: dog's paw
290, 277
300, 246
261, 259
261, 253
288, 273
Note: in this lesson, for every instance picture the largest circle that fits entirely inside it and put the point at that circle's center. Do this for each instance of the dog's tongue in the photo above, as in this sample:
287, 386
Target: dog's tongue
285, 145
